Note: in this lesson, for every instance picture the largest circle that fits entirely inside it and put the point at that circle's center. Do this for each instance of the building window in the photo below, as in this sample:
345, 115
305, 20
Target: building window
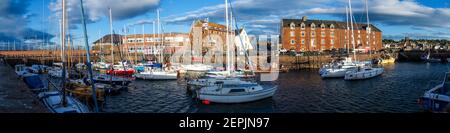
313, 26
302, 26
322, 26
323, 33
292, 42
303, 41
313, 43
313, 33
332, 41
292, 26
322, 41
292, 34
332, 27
303, 33
332, 34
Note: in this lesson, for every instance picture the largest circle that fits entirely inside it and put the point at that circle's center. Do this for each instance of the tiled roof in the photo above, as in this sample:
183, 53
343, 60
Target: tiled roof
327, 23
107, 39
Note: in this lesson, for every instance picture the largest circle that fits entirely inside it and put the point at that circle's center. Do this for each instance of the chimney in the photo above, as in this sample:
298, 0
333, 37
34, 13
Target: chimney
304, 18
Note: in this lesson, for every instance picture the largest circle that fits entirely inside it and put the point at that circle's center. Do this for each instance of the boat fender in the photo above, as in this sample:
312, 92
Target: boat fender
206, 102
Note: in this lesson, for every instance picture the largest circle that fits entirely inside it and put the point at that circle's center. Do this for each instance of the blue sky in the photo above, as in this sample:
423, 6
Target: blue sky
24, 20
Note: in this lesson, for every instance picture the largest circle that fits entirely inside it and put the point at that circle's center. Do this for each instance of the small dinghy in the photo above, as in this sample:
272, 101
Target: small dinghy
53, 101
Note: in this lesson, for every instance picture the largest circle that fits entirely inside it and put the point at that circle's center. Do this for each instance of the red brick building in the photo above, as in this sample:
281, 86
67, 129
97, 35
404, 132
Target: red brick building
318, 35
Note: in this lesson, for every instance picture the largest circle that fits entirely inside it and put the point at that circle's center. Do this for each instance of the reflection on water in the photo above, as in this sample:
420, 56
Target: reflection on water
299, 92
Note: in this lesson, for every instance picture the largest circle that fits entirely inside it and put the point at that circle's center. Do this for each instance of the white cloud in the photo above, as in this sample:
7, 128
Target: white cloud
98, 9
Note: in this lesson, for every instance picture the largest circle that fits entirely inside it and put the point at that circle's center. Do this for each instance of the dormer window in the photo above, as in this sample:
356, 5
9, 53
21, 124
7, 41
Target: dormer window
313, 26
302, 26
332, 27
322, 26
292, 26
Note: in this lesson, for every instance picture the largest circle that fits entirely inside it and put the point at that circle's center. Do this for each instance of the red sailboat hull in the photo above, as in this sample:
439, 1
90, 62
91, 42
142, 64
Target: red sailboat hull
128, 72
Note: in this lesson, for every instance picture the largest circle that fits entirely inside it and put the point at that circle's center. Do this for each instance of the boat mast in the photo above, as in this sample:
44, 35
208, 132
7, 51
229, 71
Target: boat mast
160, 36
63, 42
143, 40
112, 38
347, 37
154, 47
227, 37
368, 28
88, 61
135, 44
352, 28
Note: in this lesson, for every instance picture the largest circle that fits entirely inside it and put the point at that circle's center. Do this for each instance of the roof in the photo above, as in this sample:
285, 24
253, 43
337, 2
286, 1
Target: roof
107, 39
327, 23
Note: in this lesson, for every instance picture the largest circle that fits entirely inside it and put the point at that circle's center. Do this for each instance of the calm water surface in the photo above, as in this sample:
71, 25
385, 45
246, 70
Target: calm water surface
397, 90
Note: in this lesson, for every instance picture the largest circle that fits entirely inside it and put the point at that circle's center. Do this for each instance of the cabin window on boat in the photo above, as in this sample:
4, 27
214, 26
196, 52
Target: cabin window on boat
237, 90
292, 34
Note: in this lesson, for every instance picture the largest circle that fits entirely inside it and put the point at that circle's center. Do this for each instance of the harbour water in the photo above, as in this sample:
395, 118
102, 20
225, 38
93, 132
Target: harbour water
397, 90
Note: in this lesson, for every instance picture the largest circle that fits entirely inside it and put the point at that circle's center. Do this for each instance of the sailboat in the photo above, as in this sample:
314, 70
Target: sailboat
230, 89
366, 71
340, 67
54, 100
163, 73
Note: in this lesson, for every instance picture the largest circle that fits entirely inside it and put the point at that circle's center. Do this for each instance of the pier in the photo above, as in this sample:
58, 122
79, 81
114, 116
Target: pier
15, 97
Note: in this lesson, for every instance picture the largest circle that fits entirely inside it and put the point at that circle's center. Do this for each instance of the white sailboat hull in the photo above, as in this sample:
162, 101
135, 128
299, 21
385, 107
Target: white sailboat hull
157, 76
335, 73
238, 98
53, 101
365, 74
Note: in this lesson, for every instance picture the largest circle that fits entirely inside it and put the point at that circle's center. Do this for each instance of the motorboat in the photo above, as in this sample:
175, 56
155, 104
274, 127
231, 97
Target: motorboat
21, 70
101, 65
437, 99
53, 101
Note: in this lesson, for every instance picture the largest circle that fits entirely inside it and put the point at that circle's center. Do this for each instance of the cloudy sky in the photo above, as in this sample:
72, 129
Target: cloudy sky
33, 21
